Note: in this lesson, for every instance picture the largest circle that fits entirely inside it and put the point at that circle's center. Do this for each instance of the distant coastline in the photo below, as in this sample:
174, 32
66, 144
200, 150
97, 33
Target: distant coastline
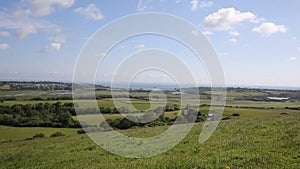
137, 85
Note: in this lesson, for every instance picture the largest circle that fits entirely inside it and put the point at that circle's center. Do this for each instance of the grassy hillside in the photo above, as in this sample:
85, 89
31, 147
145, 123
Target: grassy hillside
265, 135
252, 142
21, 133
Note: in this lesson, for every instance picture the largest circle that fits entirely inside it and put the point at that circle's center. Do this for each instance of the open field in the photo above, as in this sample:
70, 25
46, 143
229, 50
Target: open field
264, 135
21, 133
253, 142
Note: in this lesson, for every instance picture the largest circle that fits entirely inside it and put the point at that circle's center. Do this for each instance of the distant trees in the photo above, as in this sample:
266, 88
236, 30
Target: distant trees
38, 115
153, 118
125, 123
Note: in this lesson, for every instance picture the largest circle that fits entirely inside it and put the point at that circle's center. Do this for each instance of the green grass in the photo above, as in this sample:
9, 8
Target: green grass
253, 142
258, 138
247, 103
21, 133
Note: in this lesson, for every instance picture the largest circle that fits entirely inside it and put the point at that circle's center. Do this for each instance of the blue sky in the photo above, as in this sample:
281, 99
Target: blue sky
258, 42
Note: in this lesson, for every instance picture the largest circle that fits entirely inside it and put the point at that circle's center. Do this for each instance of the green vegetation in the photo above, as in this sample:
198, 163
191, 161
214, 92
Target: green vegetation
254, 133
20, 133
39, 115
57, 134
253, 142
39, 135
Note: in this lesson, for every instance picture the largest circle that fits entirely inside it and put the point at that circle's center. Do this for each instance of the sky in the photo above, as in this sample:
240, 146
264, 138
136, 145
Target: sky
257, 42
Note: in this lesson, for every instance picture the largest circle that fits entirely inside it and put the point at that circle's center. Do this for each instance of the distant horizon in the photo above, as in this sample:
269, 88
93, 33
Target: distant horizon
149, 85
256, 46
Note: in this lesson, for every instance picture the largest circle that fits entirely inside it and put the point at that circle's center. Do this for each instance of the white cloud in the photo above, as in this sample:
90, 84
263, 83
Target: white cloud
25, 20
194, 4
23, 24
53, 47
26, 30
226, 18
4, 46
234, 33
299, 48
58, 38
233, 40
39, 8
4, 34
293, 58
207, 33
269, 28
294, 38
140, 46
144, 4
90, 12
195, 32
205, 4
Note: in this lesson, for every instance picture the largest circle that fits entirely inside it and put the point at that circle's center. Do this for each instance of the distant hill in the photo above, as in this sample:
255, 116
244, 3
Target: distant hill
40, 85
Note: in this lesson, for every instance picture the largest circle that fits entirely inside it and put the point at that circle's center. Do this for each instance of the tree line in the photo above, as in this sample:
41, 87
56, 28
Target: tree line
154, 118
39, 115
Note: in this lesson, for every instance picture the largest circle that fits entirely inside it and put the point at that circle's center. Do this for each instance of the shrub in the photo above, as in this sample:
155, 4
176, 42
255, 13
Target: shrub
57, 134
235, 114
39, 135
81, 131
226, 118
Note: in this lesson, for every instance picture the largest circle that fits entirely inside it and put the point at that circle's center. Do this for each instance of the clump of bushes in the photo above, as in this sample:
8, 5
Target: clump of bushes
39, 135
57, 134
81, 131
235, 114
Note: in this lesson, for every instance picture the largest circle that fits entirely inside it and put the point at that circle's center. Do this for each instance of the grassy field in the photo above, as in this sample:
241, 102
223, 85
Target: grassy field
265, 135
252, 142
21, 133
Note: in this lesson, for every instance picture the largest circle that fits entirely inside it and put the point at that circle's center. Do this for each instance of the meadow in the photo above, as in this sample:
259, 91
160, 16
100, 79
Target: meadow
265, 134
252, 142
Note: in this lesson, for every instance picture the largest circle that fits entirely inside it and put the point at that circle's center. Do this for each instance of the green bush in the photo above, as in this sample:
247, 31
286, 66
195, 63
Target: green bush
81, 131
235, 114
39, 135
57, 134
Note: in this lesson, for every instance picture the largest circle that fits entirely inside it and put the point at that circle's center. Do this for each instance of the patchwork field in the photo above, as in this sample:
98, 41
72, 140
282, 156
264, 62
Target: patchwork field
261, 134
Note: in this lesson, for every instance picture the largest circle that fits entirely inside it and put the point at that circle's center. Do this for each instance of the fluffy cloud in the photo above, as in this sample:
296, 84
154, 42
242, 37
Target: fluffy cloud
233, 40
53, 47
269, 28
205, 4
194, 4
4, 34
4, 46
207, 33
293, 58
226, 18
25, 20
39, 8
23, 24
145, 4
58, 38
195, 32
234, 33
90, 12
26, 30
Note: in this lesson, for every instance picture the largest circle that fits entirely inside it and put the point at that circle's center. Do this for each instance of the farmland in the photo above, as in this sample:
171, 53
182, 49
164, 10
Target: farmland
257, 133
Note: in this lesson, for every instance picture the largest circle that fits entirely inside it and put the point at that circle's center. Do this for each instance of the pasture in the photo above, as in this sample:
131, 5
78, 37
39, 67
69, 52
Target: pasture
264, 135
